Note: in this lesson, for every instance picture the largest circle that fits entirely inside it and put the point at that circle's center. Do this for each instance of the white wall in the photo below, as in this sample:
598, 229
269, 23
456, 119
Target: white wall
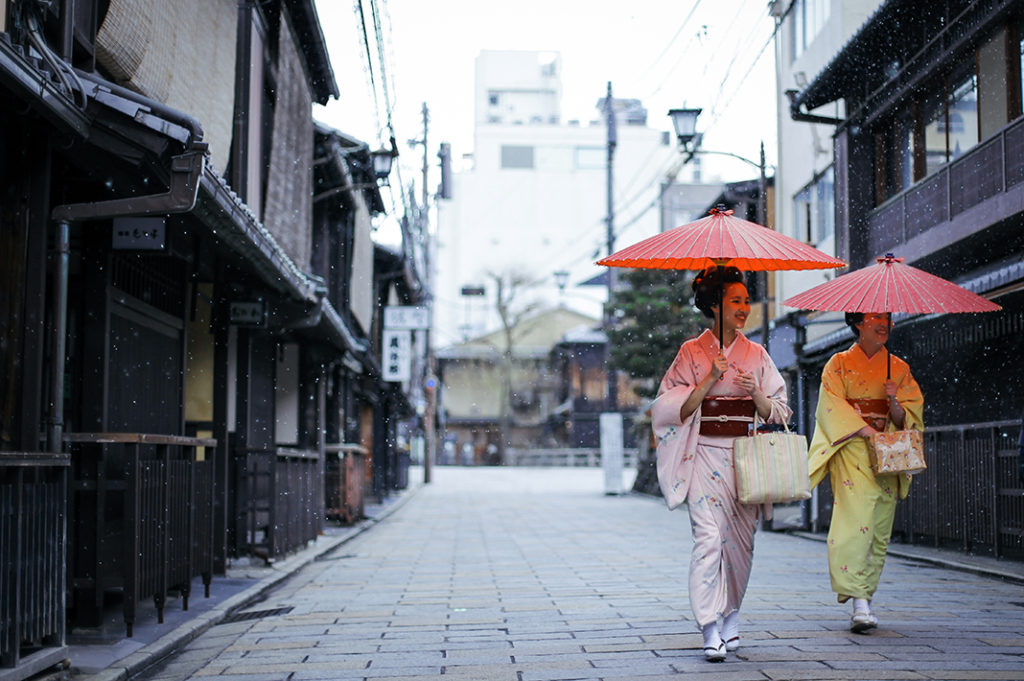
286, 407
549, 218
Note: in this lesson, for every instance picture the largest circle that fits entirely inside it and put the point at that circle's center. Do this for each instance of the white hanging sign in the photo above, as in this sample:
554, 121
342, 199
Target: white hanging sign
397, 354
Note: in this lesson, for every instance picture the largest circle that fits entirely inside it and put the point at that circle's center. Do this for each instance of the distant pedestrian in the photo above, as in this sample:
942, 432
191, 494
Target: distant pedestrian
858, 399
707, 398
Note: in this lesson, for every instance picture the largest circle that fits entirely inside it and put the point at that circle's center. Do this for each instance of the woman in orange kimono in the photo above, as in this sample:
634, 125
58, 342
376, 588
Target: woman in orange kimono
707, 399
864, 390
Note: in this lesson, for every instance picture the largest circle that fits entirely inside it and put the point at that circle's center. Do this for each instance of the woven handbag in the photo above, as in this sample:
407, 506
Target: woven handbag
897, 451
771, 467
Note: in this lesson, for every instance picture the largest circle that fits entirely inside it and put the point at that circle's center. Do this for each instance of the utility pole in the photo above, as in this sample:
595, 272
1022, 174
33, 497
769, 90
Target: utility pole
762, 217
609, 320
429, 380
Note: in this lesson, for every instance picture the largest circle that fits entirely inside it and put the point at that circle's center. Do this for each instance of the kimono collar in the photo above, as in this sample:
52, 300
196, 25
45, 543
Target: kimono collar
883, 352
709, 343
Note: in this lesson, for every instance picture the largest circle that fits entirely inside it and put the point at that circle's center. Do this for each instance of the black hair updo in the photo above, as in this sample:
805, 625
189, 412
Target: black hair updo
707, 286
852, 320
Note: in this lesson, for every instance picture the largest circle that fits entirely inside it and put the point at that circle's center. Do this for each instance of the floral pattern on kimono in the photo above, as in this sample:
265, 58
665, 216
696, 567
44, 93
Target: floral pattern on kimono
865, 503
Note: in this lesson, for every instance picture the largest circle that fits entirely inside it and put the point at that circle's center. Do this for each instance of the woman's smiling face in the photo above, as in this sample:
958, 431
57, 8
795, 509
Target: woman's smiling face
874, 328
737, 306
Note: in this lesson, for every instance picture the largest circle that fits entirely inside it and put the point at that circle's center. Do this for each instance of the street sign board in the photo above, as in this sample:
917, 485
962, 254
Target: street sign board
406, 317
138, 233
247, 313
397, 360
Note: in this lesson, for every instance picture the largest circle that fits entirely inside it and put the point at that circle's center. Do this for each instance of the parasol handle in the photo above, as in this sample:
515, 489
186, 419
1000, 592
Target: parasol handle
888, 355
721, 310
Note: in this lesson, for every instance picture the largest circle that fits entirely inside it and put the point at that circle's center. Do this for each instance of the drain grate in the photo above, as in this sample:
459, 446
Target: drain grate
255, 614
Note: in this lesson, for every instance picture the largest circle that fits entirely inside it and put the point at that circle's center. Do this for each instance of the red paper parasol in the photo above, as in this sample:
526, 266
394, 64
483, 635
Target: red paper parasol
891, 286
721, 239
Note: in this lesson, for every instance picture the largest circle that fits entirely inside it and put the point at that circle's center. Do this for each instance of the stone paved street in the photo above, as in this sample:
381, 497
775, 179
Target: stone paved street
508, 574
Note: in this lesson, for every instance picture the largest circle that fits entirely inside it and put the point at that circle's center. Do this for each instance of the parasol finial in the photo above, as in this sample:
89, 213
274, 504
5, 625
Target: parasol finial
889, 258
720, 209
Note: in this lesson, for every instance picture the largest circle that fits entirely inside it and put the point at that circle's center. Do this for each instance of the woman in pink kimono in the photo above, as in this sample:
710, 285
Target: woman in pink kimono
863, 390
707, 399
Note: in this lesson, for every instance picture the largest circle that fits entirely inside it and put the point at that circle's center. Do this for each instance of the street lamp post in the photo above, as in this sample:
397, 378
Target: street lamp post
685, 123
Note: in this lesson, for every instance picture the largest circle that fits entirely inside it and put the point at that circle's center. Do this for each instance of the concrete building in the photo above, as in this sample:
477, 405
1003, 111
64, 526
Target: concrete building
535, 196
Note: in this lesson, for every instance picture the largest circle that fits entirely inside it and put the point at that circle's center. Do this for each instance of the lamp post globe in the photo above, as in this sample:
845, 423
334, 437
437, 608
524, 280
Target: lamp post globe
685, 123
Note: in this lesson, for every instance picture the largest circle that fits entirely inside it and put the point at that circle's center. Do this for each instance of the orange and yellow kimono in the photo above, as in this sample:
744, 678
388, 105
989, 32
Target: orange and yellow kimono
865, 504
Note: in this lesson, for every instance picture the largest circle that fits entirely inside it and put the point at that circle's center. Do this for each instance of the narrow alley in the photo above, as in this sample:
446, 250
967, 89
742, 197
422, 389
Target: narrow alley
536, 575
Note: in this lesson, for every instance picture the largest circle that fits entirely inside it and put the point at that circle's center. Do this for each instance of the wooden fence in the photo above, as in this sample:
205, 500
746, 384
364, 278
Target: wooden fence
141, 520
344, 479
32, 561
279, 506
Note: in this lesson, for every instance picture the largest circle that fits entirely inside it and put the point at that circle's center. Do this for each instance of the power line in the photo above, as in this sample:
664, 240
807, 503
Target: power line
716, 110
358, 8
675, 37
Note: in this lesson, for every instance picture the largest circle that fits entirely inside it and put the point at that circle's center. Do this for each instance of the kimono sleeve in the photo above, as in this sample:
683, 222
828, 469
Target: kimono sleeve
676, 438
909, 395
836, 417
774, 388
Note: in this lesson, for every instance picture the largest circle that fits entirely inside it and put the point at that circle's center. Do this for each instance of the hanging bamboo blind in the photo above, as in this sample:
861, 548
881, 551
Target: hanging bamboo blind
180, 53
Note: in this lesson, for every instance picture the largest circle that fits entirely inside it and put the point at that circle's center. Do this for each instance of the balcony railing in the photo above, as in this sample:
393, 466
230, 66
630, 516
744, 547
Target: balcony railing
984, 172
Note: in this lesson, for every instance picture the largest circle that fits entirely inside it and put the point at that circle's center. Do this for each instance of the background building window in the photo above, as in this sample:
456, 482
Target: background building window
815, 207
516, 156
591, 158
963, 115
809, 17
926, 134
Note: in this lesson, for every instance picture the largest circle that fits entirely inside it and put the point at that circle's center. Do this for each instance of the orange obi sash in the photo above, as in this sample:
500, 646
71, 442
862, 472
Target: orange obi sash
875, 412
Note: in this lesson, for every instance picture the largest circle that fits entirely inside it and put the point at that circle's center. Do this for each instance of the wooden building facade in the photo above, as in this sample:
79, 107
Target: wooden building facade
188, 303
929, 165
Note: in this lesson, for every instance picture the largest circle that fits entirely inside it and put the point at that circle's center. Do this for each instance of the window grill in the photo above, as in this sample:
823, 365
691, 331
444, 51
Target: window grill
155, 280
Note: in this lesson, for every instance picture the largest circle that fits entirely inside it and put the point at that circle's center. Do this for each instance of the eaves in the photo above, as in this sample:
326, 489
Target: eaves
30, 84
879, 64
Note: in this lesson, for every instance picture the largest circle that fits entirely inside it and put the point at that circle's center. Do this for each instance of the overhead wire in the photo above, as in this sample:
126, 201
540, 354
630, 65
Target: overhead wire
716, 110
668, 46
673, 166
624, 226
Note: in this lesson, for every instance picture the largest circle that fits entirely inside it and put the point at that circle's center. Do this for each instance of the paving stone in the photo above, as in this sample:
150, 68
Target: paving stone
492, 574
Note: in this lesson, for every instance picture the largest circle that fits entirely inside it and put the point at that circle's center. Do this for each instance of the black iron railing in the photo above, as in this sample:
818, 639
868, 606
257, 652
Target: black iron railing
32, 560
141, 517
971, 497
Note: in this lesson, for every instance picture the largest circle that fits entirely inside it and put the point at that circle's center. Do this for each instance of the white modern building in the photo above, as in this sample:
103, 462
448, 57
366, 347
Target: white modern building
533, 201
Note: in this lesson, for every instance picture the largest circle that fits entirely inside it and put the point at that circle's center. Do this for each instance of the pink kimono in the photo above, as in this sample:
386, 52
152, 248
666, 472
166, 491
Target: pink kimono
698, 469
